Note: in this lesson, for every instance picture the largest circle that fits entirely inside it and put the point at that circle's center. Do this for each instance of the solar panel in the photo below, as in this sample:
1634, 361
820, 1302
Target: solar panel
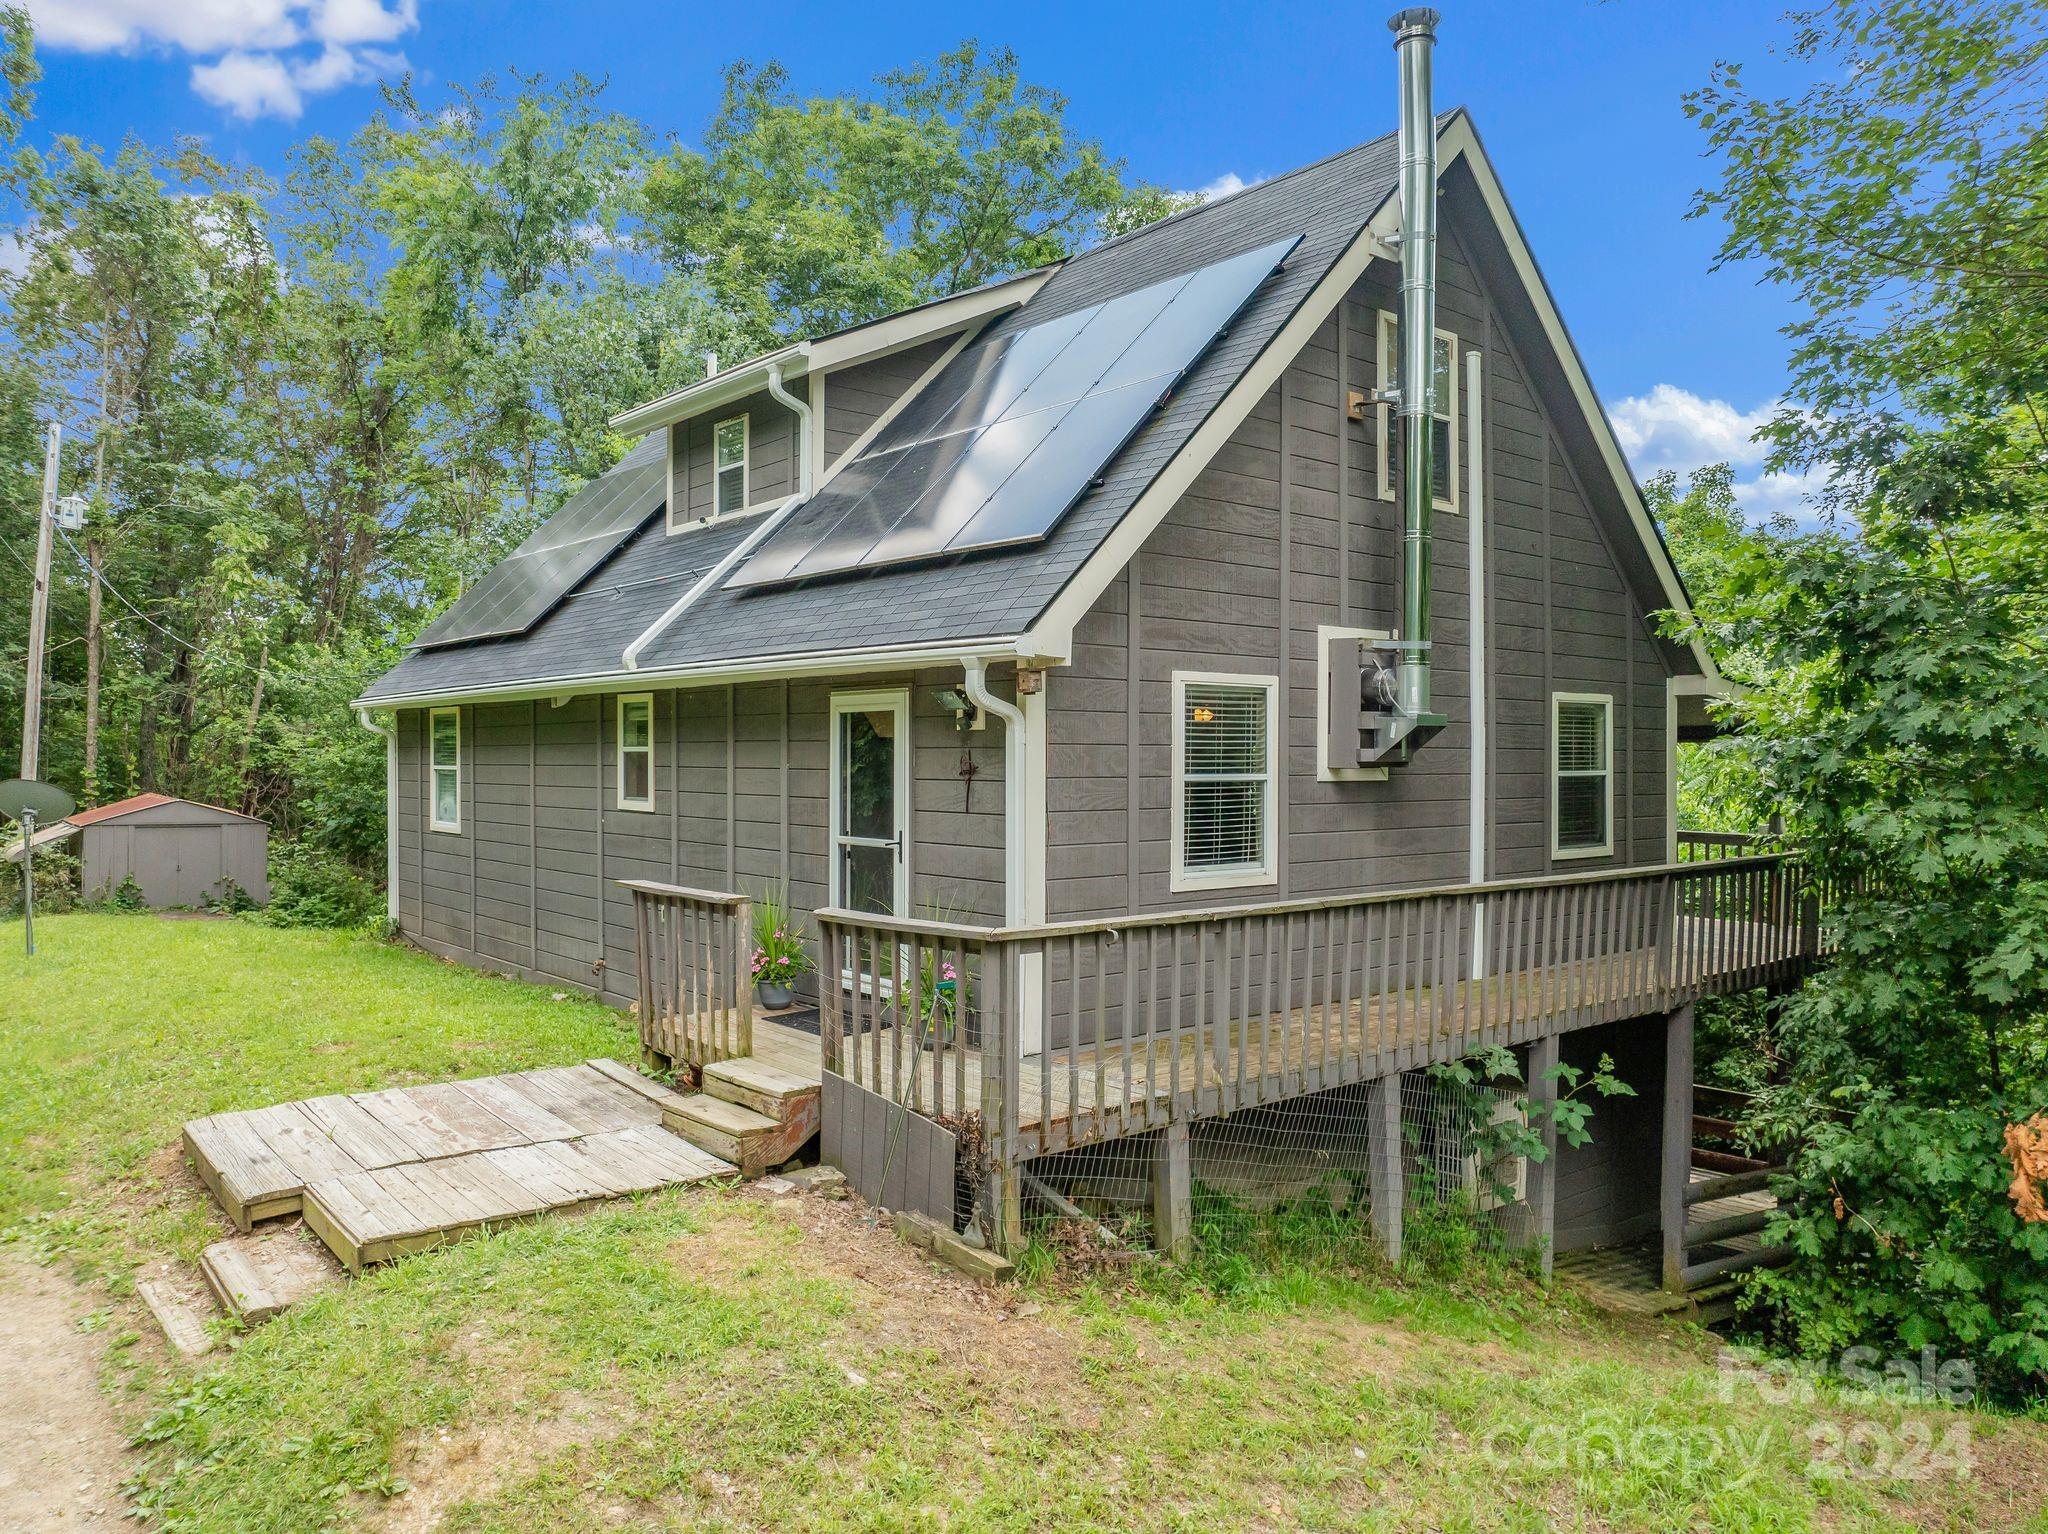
525, 586
997, 448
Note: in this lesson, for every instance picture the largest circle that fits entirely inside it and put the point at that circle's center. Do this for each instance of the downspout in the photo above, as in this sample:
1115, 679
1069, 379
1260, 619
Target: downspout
1023, 867
390, 809
718, 572
1015, 743
1414, 36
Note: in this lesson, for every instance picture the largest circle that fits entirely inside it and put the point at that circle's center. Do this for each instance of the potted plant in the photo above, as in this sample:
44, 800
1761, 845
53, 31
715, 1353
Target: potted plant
779, 956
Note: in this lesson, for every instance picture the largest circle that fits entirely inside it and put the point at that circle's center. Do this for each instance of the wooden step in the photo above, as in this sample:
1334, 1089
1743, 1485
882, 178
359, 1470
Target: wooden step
753, 1142
254, 1277
757, 1085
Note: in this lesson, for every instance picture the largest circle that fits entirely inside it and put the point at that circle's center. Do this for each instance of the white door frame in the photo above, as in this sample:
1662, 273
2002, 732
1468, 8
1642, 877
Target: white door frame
896, 700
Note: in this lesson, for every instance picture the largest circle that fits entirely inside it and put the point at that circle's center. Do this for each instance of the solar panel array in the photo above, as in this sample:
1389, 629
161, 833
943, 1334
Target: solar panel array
997, 448
525, 586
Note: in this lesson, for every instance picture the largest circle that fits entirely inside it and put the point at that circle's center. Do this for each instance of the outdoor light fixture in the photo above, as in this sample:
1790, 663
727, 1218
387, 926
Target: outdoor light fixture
70, 513
966, 716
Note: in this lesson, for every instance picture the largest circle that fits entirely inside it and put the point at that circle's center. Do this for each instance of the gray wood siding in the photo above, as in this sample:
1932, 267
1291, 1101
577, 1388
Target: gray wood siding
856, 396
771, 454
1285, 530
741, 801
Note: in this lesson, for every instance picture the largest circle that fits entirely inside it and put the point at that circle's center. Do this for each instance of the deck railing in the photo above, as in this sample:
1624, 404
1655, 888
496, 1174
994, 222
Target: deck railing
1067, 1033
695, 951
1709, 846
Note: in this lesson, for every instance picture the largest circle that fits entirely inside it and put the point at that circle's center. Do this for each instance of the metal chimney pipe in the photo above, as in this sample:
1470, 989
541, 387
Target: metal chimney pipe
1414, 32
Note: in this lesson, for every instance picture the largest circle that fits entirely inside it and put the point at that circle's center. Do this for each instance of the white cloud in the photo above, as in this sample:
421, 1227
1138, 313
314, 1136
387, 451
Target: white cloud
256, 58
1230, 181
249, 85
1674, 428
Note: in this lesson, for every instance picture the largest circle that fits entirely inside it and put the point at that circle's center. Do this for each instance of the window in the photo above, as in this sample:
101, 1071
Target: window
1582, 775
1443, 427
1225, 788
636, 751
444, 728
729, 465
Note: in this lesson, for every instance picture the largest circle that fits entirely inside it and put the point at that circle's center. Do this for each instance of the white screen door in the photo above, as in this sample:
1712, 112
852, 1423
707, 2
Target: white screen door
871, 801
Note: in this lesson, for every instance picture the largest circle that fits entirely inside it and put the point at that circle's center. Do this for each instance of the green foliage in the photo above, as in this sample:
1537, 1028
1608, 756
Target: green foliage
805, 215
310, 887
1494, 1137
57, 882
126, 898
1899, 657
779, 954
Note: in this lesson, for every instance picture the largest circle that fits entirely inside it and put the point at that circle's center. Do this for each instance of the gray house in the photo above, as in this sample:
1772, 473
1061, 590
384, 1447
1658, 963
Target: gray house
1085, 602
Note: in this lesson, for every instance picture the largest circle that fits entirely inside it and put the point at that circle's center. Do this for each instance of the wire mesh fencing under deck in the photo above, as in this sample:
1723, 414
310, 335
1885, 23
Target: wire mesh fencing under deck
1295, 1179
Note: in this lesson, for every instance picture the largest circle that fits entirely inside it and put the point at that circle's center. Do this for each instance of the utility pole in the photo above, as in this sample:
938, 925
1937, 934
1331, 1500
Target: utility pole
39, 617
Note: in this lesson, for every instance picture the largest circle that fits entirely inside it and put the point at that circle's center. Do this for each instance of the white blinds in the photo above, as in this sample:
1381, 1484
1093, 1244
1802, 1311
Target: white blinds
1582, 765
1225, 771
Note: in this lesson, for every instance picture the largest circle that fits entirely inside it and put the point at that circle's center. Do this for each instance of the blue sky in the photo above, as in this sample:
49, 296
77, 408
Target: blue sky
1578, 103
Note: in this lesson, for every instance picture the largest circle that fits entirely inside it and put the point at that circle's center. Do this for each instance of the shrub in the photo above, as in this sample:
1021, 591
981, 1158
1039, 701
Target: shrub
127, 897
56, 883
311, 888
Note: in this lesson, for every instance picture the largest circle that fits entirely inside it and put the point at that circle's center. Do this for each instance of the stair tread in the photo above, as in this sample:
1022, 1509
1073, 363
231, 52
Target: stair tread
758, 1076
728, 1118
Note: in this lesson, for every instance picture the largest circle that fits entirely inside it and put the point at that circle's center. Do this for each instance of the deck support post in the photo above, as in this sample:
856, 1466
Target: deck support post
1383, 1138
1004, 1191
1173, 1224
1677, 1158
1540, 1188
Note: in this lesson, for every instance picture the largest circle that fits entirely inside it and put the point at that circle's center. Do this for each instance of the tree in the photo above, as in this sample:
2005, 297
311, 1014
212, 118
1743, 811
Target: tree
1899, 657
803, 216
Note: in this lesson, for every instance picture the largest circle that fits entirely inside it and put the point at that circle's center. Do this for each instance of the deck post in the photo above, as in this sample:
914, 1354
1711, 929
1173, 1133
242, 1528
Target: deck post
1677, 1158
1004, 1192
1541, 1186
1383, 1118
1173, 1224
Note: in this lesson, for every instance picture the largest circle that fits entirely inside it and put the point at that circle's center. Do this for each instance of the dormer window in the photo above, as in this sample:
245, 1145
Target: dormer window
729, 465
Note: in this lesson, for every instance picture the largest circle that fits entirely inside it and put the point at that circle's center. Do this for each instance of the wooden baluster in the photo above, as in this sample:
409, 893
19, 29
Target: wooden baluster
1180, 1030
1271, 939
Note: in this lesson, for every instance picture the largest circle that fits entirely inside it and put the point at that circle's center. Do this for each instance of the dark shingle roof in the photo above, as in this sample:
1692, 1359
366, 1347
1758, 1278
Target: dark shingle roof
985, 595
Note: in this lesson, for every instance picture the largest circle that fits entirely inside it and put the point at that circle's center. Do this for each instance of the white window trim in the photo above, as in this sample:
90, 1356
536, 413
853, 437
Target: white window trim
843, 703
619, 750
1445, 476
434, 821
746, 463
1606, 701
1267, 872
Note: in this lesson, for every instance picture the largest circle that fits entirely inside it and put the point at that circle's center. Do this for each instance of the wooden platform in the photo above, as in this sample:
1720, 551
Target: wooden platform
1630, 1278
377, 1174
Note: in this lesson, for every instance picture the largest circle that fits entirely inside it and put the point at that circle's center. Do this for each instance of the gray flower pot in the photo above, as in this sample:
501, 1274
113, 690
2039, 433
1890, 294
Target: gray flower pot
774, 997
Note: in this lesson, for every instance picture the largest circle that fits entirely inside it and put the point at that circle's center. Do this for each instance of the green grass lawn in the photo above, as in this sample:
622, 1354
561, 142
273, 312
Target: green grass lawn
718, 1359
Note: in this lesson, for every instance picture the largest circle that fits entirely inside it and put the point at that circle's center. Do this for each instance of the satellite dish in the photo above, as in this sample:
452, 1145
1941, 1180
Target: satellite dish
25, 796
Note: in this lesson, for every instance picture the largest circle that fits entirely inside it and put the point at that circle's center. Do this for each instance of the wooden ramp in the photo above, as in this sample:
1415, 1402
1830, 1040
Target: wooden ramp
378, 1174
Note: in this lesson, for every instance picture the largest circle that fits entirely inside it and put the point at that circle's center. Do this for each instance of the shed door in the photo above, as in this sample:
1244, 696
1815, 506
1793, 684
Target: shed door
194, 855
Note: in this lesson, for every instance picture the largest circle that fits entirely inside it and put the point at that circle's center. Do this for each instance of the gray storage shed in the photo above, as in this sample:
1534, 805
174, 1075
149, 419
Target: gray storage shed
180, 853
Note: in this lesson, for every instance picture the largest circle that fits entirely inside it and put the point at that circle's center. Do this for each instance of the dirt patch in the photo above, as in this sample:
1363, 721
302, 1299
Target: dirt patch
66, 1455
470, 1461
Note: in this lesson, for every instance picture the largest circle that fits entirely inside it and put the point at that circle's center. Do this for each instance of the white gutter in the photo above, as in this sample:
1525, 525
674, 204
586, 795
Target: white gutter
1015, 744
390, 808
748, 668
718, 572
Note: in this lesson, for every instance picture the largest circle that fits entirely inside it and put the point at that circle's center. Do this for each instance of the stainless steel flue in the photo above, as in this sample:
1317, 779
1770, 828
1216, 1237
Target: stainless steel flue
1414, 40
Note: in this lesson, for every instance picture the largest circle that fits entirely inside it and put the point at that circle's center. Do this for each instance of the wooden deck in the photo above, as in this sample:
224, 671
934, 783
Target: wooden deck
377, 1174
1074, 1095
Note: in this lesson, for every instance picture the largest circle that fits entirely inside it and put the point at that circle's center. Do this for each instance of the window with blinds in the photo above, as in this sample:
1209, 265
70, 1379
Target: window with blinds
1582, 774
636, 751
729, 464
444, 731
1224, 781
